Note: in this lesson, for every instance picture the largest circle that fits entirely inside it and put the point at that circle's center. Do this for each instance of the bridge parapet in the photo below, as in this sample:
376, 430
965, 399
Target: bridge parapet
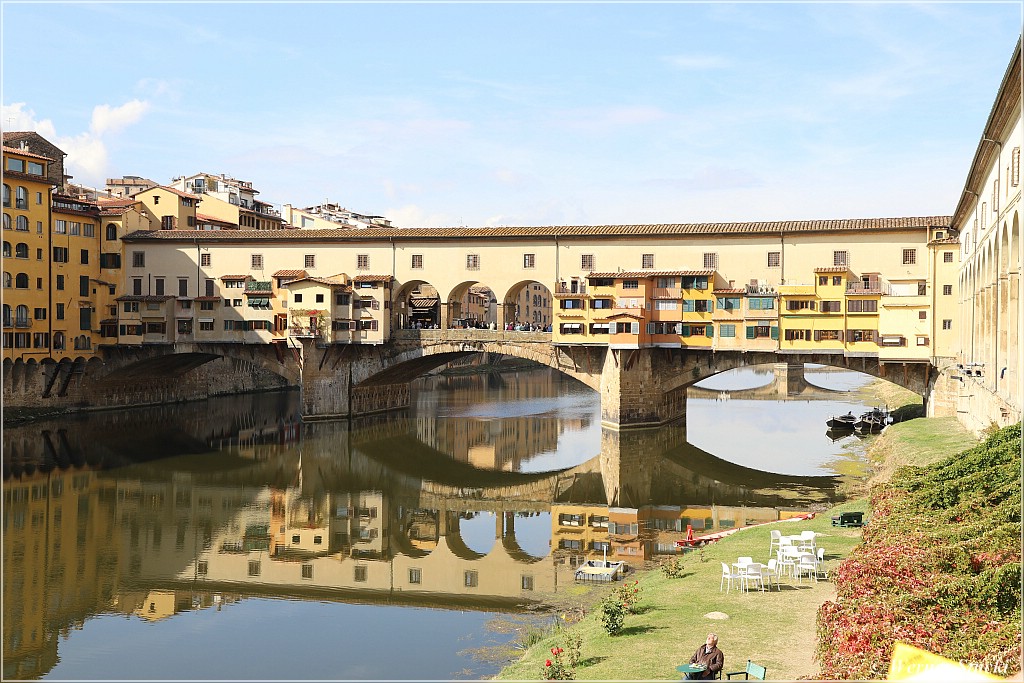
469, 335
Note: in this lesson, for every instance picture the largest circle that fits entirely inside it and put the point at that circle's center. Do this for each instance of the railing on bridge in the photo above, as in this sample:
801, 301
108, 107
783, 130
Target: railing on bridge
431, 336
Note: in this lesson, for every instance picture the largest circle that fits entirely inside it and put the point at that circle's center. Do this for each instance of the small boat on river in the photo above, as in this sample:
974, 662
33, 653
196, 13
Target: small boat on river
872, 421
846, 422
599, 570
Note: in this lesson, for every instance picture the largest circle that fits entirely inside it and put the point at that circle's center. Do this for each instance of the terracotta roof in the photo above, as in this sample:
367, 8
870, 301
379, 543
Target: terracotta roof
290, 273
561, 231
172, 190
625, 315
832, 269
319, 280
372, 278
651, 273
234, 277
734, 290
212, 219
24, 152
108, 321
207, 298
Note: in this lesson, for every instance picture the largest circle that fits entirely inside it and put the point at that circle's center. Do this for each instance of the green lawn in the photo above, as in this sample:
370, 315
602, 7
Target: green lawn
777, 629
763, 627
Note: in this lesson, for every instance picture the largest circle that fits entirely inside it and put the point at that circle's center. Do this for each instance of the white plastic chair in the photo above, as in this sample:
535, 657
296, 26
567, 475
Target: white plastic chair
806, 564
752, 574
771, 573
820, 562
728, 575
807, 540
773, 543
788, 556
744, 560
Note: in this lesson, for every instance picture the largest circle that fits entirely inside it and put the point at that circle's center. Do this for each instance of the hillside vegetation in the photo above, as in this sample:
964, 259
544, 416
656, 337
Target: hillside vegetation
939, 568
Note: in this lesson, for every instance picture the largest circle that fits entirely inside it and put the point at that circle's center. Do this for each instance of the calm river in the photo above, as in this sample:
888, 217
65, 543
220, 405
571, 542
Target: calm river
228, 541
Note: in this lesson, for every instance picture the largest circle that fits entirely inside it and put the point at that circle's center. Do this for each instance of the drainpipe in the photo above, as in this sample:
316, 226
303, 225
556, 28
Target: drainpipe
999, 183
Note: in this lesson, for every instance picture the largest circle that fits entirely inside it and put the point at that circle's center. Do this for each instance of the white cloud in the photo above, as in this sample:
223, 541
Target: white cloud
87, 159
412, 216
17, 117
112, 119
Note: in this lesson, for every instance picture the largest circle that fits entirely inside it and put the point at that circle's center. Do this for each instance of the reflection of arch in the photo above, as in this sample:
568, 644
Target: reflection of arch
510, 542
453, 538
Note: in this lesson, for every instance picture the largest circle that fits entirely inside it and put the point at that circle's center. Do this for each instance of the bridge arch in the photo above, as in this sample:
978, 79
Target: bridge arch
416, 302
528, 301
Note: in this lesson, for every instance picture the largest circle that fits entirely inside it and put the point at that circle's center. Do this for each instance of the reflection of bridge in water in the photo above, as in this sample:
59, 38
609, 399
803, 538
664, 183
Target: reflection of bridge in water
160, 524
788, 380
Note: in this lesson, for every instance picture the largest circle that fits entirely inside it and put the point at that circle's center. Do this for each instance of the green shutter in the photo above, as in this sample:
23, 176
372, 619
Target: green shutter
686, 330
775, 333
711, 330
751, 332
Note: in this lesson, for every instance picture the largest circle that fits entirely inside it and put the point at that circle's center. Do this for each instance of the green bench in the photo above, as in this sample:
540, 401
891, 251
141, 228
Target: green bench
755, 671
849, 519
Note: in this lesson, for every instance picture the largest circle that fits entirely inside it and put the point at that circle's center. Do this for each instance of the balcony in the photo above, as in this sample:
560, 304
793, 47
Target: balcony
872, 286
22, 323
576, 287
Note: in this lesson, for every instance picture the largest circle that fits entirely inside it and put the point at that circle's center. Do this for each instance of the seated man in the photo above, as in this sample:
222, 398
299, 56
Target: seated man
710, 656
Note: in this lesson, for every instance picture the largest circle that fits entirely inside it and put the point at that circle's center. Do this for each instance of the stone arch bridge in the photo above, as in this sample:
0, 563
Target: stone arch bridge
638, 387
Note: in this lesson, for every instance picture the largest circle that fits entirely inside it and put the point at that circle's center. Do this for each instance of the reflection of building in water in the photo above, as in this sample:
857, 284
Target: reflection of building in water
580, 532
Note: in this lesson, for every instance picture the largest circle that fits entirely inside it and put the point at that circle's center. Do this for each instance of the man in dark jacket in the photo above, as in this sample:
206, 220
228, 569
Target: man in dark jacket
710, 656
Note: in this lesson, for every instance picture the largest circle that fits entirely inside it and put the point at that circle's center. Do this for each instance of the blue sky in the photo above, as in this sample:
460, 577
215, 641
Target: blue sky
523, 114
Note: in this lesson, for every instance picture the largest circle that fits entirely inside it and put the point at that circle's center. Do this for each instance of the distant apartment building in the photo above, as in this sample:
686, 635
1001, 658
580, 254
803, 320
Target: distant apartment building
229, 203
330, 216
128, 186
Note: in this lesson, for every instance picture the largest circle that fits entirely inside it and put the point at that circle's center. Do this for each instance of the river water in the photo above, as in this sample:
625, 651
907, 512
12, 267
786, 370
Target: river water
229, 541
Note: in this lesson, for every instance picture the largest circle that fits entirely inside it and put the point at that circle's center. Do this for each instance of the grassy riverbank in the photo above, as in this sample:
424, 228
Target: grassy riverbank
778, 629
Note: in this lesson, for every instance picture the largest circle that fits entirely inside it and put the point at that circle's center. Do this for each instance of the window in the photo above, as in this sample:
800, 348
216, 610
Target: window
60, 255
860, 335
182, 286
1015, 167
21, 224
664, 305
298, 298
138, 259
711, 261
206, 324
319, 298
947, 289
363, 261
254, 568
570, 328
823, 279
909, 257
21, 281
837, 280
947, 324
587, 262
601, 303
862, 306
529, 260
470, 579
840, 258
111, 232
256, 262
774, 259
156, 199
417, 261
831, 307
567, 304
631, 284
40, 314
137, 286
800, 305
947, 257
309, 260
472, 262
360, 572
205, 260
647, 261
88, 230
131, 306
307, 571
85, 257
726, 330
21, 199
922, 341
922, 315
527, 583
765, 303
159, 286
729, 303
415, 575
7, 195
792, 335
342, 299
7, 221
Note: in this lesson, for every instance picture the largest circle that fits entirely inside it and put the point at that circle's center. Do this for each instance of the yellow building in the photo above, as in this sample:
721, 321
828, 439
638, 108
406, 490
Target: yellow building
26, 255
80, 296
169, 208
229, 203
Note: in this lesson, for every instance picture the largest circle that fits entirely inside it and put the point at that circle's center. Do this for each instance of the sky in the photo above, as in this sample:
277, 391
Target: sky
517, 113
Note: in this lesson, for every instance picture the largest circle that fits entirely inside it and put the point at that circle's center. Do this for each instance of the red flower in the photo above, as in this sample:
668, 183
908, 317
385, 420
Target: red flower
554, 650
547, 662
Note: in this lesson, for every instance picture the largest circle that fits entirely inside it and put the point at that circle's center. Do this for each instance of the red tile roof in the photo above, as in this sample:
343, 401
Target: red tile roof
734, 290
290, 273
832, 269
372, 278
560, 231
24, 152
319, 280
235, 277
145, 297
172, 190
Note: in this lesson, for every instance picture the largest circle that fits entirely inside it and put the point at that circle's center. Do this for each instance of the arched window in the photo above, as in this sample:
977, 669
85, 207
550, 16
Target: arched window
7, 249
58, 340
21, 202
7, 195
20, 250
22, 224
7, 280
21, 316
8, 320
7, 221
111, 231
21, 281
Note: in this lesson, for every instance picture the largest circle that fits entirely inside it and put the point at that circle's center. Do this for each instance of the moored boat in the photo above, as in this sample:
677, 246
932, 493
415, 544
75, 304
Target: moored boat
842, 422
